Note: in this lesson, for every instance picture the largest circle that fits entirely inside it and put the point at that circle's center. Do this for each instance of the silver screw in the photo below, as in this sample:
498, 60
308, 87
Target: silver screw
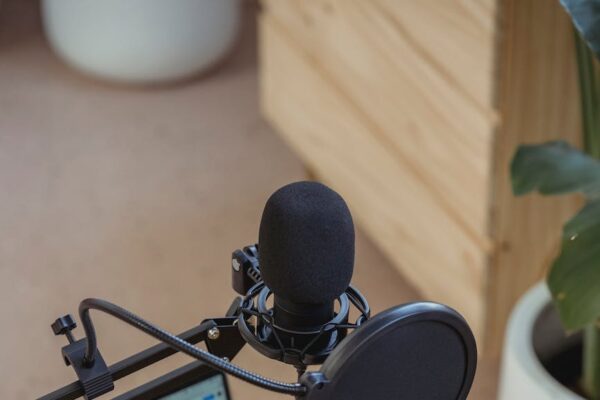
235, 264
214, 333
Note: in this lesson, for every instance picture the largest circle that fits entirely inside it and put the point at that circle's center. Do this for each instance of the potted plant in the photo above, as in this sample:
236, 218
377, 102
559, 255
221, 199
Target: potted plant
552, 347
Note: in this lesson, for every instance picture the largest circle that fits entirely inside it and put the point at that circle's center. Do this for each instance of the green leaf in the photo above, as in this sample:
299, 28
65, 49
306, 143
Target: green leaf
554, 168
574, 278
586, 18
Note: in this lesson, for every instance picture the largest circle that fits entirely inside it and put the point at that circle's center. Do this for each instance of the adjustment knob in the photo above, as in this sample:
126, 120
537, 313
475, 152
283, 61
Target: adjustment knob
63, 326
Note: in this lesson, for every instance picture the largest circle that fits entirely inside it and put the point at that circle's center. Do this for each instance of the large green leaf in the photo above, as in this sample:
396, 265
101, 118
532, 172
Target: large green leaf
554, 168
586, 18
574, 279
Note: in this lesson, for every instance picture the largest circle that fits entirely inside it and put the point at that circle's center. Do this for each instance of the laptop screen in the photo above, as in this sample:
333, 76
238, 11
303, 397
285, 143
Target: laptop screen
212, 388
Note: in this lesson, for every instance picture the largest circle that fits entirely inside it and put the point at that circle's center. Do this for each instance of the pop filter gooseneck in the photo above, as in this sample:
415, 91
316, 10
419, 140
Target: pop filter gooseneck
175, 342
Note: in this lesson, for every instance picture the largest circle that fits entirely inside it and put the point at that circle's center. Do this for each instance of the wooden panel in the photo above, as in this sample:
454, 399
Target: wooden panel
354, 43
413, 111
387, 198
538, 99
455, 37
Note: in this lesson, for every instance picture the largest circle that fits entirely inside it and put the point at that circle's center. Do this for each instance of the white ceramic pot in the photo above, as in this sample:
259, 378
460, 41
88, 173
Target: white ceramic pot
533, 328
141, 41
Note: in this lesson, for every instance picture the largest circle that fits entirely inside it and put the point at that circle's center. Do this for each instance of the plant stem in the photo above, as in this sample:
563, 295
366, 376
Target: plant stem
591, 360
589, 86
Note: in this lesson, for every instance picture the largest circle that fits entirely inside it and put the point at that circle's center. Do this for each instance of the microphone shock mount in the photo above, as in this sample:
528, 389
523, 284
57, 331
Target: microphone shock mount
297, 347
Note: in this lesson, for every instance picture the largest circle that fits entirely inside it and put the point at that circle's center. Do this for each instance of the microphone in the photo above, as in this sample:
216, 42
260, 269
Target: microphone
306, 253
304, 261
295, 307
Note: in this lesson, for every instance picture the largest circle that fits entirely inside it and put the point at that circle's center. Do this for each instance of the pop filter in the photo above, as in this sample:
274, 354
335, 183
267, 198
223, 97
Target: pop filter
414, 351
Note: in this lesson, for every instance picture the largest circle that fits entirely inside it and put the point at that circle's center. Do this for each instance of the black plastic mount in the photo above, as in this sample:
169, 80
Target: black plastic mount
95, 379
245, 270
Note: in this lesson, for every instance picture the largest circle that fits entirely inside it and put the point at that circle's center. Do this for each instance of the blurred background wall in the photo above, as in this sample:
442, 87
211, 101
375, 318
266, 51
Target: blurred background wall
139, 193
134, 194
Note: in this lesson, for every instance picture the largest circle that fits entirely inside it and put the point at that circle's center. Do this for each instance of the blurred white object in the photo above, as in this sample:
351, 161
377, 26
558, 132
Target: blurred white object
141, 41
522, 376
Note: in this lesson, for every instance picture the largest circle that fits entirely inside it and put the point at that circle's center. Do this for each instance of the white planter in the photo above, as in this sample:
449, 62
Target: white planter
141, 41
522, 374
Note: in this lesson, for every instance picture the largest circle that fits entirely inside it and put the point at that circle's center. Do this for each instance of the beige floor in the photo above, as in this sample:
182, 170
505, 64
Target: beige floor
137, 196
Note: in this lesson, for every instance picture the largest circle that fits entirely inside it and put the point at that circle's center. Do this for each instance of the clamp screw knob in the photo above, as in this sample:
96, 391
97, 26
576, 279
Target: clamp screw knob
63, 326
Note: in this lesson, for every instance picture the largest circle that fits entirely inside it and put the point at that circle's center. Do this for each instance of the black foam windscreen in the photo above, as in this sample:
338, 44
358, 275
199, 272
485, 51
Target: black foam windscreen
414, 351
306, 243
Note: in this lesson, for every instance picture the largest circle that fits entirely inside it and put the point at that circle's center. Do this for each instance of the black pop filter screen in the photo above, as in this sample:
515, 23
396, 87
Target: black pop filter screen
416, 351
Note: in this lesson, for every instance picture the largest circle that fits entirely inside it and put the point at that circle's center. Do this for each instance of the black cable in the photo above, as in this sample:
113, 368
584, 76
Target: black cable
218, 363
